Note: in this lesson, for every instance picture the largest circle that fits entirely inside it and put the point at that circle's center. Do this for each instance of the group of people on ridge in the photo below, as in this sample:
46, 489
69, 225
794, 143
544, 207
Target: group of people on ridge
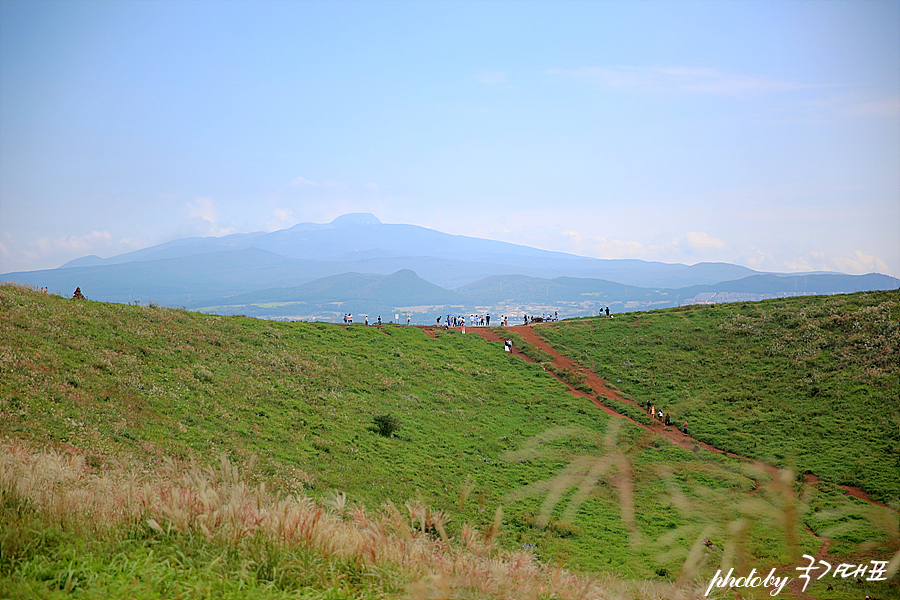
541, 319
348, 320
474, 321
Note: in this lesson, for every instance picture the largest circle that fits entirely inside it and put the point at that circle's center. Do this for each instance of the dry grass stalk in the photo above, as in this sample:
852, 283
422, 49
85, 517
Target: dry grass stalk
220, 505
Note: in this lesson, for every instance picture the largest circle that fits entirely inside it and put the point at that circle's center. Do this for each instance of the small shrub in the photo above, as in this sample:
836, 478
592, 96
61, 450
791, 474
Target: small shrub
386, 425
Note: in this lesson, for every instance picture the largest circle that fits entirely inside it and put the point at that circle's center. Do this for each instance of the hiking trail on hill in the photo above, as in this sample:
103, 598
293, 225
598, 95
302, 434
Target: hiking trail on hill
600, 387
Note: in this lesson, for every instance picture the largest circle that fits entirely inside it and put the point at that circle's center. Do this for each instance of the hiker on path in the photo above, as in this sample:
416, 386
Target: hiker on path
367, 320
668, 422
607, 311
488, 319
407, 320
379, 320
684, 428
78, 295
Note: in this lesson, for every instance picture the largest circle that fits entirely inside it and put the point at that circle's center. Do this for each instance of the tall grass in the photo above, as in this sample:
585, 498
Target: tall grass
191, 522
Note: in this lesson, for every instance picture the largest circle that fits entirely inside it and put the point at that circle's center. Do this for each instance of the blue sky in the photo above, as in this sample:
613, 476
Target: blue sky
765, 134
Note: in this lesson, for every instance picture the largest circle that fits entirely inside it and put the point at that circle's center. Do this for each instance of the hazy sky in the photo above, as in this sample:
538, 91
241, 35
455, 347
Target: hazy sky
765, 134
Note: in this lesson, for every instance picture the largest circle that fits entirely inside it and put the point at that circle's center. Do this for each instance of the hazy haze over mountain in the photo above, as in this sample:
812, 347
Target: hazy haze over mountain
358, 264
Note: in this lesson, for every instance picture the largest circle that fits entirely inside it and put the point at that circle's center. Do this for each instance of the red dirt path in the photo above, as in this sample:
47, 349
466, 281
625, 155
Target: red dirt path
599, 386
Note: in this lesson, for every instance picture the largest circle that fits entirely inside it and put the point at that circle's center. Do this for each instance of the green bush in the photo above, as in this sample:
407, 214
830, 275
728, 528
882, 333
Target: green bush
386, 425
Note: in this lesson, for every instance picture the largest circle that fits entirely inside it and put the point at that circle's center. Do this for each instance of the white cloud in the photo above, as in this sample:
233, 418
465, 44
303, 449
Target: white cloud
281, 218
681, 80
801, 264
601, 247
492, 77
889, 107
74, 243
301, 181
856, 263
203, 208
755, 259
703, 241
860, 264
43, 253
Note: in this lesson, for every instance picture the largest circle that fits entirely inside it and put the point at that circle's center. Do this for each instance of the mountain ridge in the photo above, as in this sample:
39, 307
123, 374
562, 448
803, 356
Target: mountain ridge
231, 274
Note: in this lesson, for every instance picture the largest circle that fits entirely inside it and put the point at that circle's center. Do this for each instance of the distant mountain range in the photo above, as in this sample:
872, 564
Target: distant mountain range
356, 264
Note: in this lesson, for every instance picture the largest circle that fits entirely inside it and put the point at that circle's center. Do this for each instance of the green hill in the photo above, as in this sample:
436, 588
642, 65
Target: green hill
133, 395
811, 383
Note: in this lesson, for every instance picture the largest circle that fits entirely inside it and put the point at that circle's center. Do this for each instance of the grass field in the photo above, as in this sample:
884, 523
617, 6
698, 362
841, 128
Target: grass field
811, 383
486, 442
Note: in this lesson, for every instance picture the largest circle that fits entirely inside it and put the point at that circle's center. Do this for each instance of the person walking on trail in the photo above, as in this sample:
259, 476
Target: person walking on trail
668, 422
488, 319
684, 428
407, 320
379, 320
367, 320
607, 311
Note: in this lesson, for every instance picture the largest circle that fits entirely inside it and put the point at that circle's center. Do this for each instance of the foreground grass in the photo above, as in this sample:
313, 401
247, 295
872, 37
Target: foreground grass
486, 439
183, 531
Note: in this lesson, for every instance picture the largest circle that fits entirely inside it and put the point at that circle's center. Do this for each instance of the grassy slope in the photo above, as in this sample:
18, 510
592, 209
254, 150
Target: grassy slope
480, 429
807, 382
